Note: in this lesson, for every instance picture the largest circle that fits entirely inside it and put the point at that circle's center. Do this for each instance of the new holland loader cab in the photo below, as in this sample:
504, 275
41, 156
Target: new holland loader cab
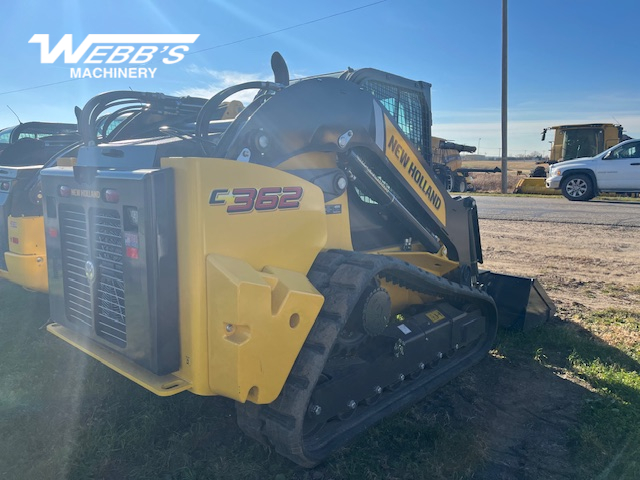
301, 259
34, 146
569, 142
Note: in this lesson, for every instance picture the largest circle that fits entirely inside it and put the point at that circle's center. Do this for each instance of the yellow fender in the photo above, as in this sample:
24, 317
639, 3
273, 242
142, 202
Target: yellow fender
27, 256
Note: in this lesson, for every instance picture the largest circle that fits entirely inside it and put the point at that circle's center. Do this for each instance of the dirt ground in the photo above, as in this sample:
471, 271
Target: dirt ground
525, 410
580, 265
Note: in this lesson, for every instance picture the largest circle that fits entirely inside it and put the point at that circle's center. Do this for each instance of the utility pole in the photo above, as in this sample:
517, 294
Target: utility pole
504, 96
479, 145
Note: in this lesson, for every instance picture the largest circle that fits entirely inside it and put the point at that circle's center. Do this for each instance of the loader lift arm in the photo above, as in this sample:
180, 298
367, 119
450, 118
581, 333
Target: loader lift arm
373, 145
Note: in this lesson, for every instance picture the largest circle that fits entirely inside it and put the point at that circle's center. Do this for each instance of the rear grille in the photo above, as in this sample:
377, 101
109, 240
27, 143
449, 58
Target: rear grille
103, 246
75, 254
110, 277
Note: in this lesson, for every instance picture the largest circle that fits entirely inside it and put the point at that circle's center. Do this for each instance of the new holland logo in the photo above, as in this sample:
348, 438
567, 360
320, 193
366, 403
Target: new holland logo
119, 51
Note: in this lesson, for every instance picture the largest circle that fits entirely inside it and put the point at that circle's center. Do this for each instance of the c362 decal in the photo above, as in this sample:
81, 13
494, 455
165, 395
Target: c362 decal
265, 199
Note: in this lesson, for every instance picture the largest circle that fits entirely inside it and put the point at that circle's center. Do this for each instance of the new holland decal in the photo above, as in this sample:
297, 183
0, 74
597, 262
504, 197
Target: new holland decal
77, 192
265, 199
407, 164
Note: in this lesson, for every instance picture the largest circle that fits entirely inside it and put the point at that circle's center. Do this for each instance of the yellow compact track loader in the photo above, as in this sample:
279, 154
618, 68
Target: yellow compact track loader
301, 259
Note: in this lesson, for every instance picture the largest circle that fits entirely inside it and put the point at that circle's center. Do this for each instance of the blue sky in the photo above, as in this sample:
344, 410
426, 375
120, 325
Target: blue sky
570, 61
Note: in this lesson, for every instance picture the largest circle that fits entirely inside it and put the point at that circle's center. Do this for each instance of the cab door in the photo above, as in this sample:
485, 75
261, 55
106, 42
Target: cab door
619, 169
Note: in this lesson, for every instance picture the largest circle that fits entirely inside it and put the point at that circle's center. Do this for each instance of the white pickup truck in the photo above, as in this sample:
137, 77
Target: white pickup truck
616, 170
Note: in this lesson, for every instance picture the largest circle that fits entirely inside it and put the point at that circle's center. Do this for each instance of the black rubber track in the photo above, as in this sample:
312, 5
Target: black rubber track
342, 277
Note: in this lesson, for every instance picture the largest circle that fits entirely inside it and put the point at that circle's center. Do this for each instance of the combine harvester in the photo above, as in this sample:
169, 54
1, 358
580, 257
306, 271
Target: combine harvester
571, 141
301, 259
447, 165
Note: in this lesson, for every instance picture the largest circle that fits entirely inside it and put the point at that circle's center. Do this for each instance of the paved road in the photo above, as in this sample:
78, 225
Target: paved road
558, 209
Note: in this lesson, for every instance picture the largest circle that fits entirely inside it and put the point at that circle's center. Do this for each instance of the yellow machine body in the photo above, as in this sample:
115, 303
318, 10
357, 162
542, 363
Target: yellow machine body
226, 338
534, 185
26, 259
234, 301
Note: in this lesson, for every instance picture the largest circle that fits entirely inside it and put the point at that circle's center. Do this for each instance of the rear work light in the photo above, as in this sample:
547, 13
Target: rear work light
5, 186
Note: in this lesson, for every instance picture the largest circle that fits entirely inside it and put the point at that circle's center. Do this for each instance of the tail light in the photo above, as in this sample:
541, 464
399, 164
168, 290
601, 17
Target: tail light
111, 195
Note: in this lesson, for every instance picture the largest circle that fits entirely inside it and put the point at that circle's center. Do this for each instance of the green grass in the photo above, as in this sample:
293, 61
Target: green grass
64, 415
606, 441
414, 445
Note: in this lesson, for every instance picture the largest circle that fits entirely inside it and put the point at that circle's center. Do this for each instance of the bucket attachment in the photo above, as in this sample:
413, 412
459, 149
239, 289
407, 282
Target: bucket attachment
522, 302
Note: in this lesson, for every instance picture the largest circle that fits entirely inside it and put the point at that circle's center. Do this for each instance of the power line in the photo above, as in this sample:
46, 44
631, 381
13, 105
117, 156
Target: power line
40, 86
235, 42
288, 28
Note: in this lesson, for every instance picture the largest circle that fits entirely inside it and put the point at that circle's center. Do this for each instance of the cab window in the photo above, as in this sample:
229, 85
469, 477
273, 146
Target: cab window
406, 108
631, 150
28, 135
5, 135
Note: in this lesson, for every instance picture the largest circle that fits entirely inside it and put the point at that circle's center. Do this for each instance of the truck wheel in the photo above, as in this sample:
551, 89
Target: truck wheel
450, 183
578, 187
461, 185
